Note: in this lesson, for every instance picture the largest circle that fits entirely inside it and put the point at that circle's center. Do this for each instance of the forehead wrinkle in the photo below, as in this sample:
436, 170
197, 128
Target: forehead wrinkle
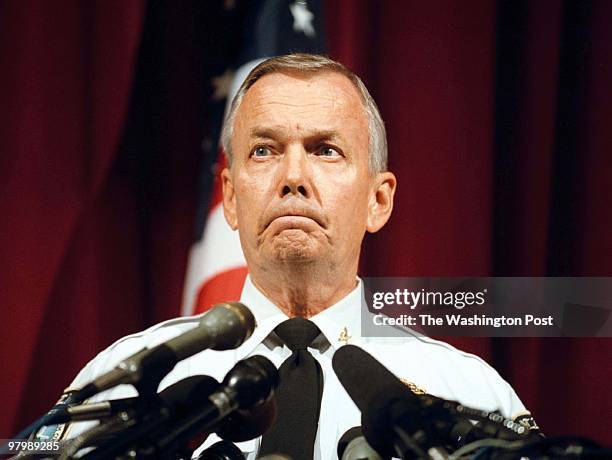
342, 91
279, 105
281, 120
284, 94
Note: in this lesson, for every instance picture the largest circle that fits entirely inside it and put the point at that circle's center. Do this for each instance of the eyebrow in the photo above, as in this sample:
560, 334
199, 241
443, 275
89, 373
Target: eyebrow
280, 131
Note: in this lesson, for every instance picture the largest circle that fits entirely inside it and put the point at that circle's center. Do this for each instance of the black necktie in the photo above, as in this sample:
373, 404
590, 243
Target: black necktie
298, 397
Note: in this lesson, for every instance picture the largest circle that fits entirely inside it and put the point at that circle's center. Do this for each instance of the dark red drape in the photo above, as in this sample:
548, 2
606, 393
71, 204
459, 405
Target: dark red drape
68, 263
497, 115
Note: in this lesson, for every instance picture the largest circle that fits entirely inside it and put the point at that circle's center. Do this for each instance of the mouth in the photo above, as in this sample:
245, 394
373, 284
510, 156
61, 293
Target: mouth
295, 221
290, 221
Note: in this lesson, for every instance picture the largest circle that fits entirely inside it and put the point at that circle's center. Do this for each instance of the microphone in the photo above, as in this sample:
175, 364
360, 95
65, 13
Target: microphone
224, 327
250, 383
353, 446
397, 421
239, 426
365, 379
92, 411
222, 450
68, 410
142, 417
179, 395
243, 425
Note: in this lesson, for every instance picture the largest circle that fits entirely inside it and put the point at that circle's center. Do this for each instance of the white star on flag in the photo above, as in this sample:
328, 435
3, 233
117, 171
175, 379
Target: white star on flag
302, 18
222, 84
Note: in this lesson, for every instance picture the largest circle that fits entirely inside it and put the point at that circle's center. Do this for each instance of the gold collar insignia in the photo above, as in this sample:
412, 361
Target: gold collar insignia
414, 387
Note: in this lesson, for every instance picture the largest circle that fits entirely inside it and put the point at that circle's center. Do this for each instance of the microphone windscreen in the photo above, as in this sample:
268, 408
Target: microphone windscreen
231, 323
374, 389
346, 438
353, 446
361, 375
188, 393
388, 406
247, 424
251, 381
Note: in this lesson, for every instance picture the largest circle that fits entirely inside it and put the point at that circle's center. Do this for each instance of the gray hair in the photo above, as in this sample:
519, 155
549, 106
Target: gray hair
312, 64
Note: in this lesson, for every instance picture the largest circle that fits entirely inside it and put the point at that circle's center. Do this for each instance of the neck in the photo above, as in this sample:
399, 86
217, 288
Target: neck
300, 291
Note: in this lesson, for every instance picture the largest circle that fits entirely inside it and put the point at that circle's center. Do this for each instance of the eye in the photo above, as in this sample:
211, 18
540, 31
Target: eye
327, 151
261, 152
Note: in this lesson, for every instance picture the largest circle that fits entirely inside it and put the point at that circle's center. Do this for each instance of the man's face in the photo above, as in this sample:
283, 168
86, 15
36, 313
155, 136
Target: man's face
299, 189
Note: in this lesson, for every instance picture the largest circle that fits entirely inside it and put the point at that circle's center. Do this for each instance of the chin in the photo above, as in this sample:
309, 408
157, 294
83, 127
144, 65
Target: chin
294, 256
299, 249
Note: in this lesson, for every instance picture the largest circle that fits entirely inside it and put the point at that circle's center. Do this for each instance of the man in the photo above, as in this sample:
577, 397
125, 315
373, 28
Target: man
307, 178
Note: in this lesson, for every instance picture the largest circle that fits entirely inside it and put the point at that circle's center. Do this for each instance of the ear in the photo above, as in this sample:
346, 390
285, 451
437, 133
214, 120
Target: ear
381, 201
229, 199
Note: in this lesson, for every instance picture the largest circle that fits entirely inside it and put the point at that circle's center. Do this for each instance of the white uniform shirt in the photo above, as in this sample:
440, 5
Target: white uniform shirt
433, 366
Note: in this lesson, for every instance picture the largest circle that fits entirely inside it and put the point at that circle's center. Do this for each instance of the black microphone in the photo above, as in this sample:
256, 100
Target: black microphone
222, 450
397, 421
143, 417
246, 424
224, 327
250, 383
436, 422
364, 379
180, 395
92, 411
161, 432
353, 446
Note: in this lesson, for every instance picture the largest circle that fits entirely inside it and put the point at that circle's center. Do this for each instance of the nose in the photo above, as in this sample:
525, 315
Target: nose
296, 175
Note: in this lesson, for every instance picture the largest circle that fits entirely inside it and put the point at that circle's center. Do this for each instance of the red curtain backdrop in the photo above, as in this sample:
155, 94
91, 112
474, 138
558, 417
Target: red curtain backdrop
69, 266
497, 115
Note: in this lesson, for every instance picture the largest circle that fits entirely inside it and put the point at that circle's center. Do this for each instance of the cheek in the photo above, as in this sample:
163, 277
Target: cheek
249, 188
251, 200
350, 206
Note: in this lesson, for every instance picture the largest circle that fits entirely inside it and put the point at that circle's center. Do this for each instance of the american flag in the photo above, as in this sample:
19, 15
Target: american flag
246, 32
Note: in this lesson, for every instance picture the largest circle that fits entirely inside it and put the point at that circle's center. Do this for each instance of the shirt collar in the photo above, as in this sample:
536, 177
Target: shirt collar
339, 323
267, 316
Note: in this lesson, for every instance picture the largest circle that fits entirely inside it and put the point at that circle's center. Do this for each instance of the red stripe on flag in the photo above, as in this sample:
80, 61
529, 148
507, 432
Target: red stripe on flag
223, 287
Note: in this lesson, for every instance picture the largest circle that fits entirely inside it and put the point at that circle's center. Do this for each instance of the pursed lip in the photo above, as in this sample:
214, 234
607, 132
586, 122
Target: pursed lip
310, 214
